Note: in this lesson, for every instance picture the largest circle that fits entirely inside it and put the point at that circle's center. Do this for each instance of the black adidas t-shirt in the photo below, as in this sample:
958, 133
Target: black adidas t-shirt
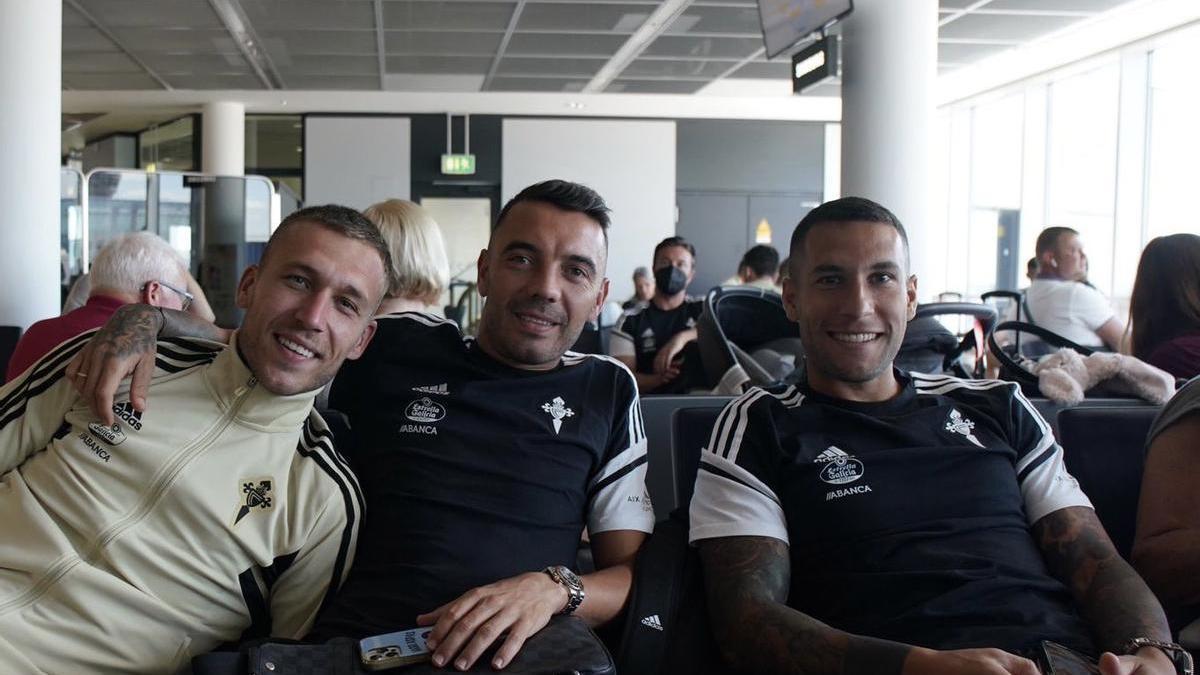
907, 520
474, 471
643, 331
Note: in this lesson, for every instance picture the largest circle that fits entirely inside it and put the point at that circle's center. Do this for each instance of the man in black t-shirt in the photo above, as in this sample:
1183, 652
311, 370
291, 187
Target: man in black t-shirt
482, 460
870, 521
657, 341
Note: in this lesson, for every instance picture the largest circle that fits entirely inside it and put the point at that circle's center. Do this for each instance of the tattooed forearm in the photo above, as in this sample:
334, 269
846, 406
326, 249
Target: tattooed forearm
132, 329
747, 580
1112, 598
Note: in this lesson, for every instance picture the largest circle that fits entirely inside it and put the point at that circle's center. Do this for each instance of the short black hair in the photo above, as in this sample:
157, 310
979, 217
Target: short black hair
845, 210
345, 221
1048, 239
762, 259
564, 195
670, 242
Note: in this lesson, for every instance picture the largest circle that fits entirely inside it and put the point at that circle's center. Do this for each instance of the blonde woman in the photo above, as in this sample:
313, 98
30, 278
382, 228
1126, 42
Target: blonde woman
419, 261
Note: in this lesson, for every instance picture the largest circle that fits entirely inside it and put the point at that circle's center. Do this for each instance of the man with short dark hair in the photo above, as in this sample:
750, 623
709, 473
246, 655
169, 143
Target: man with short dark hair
1060, 300
482, 460
867, 520
134, 539
759, 267
652, 340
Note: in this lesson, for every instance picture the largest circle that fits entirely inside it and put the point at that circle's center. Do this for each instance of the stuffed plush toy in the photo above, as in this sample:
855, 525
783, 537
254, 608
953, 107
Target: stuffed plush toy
1066, 375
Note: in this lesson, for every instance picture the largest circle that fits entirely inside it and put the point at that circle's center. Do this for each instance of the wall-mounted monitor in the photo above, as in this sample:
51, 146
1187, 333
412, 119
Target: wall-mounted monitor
786, 22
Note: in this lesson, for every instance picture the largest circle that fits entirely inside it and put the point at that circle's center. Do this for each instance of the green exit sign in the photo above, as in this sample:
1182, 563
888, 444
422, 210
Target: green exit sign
458, 165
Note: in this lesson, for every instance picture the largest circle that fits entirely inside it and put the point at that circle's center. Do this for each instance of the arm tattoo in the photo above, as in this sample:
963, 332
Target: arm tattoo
747, 581
132, 330
1112, 598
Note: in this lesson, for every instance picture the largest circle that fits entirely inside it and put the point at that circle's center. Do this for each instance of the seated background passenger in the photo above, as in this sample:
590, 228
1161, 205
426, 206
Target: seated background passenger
133, 541
867, 520
651, 340
482, 460
1165, 308
759, 267
1061, 300
134, 267
643, 289
419, 264
1166, 549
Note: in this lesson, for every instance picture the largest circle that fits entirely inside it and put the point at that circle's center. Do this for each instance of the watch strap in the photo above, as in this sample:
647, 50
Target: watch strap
1178, 655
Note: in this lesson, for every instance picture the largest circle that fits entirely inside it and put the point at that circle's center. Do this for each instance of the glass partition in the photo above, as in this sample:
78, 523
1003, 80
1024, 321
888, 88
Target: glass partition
71, 231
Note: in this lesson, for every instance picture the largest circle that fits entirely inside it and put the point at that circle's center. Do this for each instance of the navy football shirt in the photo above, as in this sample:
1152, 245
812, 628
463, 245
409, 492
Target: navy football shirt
474, 471
907, 519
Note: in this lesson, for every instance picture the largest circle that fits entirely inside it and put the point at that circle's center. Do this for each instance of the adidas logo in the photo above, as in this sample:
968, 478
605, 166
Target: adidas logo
653, 622
124, 411
440, 389
833, 454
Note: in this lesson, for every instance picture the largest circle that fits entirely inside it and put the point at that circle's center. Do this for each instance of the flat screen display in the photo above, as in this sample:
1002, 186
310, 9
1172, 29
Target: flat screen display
786, 22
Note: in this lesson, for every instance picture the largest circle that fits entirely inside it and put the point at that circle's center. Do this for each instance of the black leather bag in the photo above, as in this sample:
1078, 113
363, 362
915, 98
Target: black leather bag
565, 646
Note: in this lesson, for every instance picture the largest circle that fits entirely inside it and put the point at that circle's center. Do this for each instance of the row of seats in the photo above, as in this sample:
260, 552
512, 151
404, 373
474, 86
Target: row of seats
1103, 445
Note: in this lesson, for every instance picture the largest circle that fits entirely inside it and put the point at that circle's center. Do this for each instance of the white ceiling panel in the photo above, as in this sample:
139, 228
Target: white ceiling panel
109, 81
334, 82
733, 20
961, 54
413, 42
565, 43
318, 42
1051, 5
702, 47
654, 87
307, 14
569, 17
98, 62
455, 16
436, 65
200, 63
85, 39
534, 67
1014, 27
171, 40
152, 13
535, 84
676, 69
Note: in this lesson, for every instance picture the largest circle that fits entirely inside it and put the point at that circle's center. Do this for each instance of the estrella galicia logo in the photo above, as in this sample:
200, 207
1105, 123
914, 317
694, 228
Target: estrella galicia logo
840, 468
111, 435
256, 494
425, 410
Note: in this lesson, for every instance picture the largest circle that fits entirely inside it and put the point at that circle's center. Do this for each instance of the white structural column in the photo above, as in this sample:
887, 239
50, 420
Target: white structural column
30, 110
224, 138
889, 69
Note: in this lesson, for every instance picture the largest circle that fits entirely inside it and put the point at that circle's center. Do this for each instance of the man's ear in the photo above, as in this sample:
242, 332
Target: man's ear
481, 268
600, 298
151, 294
911, 290
789, 299
246, 286
364, 339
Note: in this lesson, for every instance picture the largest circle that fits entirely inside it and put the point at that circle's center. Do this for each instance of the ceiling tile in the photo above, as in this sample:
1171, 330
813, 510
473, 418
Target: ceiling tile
277, 15
681, 69
739, 20
349, 42
1002, 26
585, 68
565, 43
534, 84
83, 39
98, 62
765, 70
158, 13
174, 40
654, 87
1060, 5
468, 65
401, 42
962, 53
332, 65
459, 16
955, 4
216, 81
197, 63
700, 47
338, 82
570, 17
85, 81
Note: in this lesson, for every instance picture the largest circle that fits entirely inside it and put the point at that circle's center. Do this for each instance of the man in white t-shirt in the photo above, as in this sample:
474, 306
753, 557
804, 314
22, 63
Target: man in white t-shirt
1060, 301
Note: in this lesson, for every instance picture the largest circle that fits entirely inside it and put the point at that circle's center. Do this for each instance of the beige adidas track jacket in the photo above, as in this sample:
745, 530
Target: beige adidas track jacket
221, 512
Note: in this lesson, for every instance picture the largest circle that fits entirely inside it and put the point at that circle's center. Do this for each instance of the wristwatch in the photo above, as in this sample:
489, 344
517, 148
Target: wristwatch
1178, 655
564, 577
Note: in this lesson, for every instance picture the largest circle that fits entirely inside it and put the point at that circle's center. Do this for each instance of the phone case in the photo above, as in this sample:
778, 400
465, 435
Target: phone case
380, 652
1060, 660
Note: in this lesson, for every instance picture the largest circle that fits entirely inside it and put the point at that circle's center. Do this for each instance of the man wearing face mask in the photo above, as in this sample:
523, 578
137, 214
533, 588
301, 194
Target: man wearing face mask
657, 341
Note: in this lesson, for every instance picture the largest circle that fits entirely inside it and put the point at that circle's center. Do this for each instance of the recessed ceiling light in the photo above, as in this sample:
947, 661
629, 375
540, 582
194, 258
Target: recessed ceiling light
575, 105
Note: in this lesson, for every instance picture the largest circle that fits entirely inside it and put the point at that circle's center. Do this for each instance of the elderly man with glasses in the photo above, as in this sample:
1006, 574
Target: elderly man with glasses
136, 267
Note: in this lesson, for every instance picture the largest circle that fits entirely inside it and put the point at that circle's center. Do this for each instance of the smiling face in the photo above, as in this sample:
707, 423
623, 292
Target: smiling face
309, 306
851, 295
543, 277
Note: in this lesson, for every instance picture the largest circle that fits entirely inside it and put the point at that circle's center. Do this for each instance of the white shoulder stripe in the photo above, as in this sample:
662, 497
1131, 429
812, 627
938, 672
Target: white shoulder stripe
423, 318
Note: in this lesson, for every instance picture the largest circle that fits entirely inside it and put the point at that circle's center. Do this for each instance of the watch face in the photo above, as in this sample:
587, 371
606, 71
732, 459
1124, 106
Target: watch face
569, 577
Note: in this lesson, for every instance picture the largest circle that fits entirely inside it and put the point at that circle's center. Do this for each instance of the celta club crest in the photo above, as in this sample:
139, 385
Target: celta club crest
559, 411
255, 495
958, 424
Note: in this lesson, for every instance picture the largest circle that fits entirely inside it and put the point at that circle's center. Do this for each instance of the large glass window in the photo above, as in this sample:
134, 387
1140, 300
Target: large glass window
1082, 163
170, 146
996, 147
1174, 142
274, 148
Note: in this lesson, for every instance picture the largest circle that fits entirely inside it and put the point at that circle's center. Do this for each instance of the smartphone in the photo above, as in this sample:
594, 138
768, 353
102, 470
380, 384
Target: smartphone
390, 650
1059, 660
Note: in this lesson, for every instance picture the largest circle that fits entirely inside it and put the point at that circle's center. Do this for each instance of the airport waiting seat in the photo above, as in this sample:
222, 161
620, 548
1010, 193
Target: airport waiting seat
9, 335
1104, 448
690, 430
658, 413
745, 339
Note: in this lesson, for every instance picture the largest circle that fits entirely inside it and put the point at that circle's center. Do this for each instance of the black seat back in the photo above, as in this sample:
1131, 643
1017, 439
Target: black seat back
690, 431
9, 335
662, 472
1104, 448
